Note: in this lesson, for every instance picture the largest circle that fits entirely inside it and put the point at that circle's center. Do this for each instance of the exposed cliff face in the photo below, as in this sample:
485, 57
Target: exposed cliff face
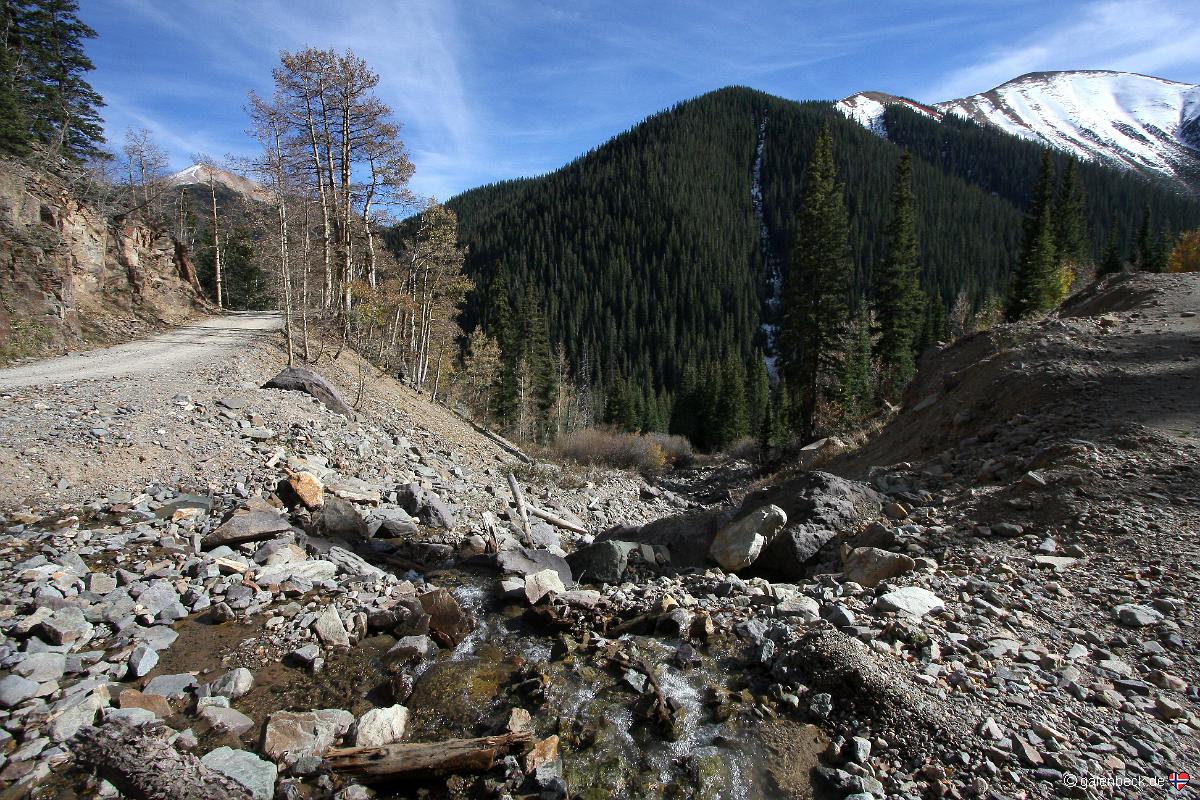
71, 278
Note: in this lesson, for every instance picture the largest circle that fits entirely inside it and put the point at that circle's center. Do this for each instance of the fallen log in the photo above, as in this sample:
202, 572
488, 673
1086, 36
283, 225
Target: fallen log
554, 520
424, 759
142, 765
497, 439
519, 499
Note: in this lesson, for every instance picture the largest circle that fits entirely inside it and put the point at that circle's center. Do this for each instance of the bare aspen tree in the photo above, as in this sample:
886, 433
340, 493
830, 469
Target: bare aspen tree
208, 166
146, 165
268, 125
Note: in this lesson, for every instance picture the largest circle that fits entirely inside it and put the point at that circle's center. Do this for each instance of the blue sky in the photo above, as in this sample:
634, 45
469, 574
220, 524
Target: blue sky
506, 88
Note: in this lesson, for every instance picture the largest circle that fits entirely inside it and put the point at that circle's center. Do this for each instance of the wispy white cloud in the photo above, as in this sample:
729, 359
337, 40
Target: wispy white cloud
1147, 36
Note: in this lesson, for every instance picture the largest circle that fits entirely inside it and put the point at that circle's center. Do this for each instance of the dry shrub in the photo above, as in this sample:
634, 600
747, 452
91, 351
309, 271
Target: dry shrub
648, 454
745, 449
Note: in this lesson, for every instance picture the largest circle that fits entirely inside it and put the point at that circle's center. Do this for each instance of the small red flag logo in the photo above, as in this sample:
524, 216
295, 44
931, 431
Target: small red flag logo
1179, 780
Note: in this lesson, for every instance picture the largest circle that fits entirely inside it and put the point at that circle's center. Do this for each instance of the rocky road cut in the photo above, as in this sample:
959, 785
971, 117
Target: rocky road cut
171, 350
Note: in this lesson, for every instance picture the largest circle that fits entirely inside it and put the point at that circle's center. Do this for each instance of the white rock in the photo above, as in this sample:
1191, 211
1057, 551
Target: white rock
911, 600
737, 545
381, 726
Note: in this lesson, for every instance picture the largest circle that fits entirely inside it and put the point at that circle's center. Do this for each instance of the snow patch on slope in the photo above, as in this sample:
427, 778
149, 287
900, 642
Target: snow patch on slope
1134, 121
866, 108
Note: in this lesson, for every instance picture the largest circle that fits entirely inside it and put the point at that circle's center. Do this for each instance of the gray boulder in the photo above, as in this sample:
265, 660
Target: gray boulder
246, 768
867, 566
739, 544
295, 379
602, 562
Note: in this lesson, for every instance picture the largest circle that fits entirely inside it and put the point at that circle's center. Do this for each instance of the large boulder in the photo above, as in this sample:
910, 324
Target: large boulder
687, 537
739, 544
867, 566
602, 562
256, 521
524, 561
819, 507
292, 735
426, 506
340, 519
448, 623
296, 379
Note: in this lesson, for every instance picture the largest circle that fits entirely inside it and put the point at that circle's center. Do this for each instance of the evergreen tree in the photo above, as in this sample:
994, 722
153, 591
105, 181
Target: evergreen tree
1036, 284
758, 393
857, 385
620, 406
1162, 253
1070, 219
730, 415
935, 327
540, 364
1144, 258
781, 414
14, 125
818, 283
1112, 261
62, 106
503, 328
898, 288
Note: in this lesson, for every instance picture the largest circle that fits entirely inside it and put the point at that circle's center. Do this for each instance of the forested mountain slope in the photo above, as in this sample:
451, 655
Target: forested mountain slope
665, 246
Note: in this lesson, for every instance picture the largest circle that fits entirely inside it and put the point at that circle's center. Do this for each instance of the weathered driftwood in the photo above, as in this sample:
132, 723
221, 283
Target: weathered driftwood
500, 441
554, 520
660, 710
142, 765
519, 499
422, 759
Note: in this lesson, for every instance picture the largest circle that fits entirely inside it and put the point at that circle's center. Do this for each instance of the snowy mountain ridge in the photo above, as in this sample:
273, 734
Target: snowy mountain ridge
198, 175
1137, 122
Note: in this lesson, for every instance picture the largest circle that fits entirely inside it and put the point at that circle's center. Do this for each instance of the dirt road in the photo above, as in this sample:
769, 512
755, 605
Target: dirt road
177, 348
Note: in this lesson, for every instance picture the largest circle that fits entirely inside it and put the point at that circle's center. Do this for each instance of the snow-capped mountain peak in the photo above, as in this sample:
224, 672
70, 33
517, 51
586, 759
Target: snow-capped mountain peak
1131, 120
866, 108
198, 174
1138, 122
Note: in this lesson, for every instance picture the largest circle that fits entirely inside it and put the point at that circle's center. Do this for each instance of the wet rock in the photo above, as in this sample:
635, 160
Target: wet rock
154, 703
867, 566
291, 735
602, 562
411, 649
227, 719
381, 726
171, 686
541, 584
232, 684
737, 545
296, 379
524, 562
256, 774
330, 629
911, 600
448, 623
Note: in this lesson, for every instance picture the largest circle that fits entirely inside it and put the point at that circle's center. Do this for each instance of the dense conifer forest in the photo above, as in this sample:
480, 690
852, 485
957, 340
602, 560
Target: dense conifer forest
655, 265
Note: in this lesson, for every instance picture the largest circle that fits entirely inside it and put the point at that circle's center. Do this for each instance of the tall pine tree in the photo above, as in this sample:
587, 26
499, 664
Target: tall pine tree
816, 294
1112, 261
1070, 220
1035, 285
62, 107
899, 301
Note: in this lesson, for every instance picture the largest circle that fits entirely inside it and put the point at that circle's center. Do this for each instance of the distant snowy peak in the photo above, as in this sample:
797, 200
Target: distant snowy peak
198, 175
866, 108
1130, 120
